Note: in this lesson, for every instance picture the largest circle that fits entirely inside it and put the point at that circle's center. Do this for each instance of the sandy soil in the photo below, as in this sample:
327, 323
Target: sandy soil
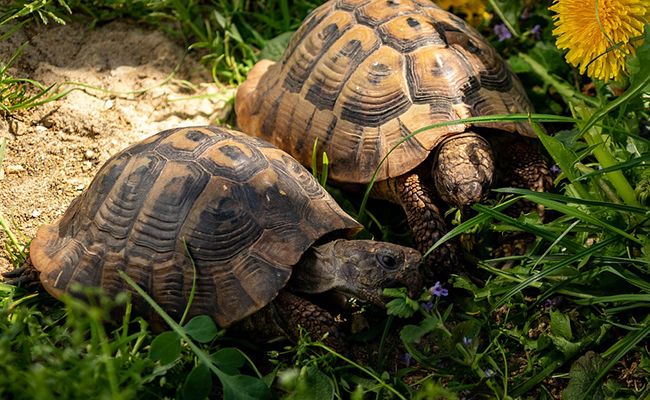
54, 150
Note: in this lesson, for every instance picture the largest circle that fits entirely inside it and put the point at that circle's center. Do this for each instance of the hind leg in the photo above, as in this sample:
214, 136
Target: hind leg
25, 276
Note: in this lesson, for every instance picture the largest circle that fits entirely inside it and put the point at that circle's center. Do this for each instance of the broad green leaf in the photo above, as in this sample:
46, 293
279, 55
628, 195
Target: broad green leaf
561, 324
639, 65
165, 348
229, 360
244, 387
313, 385
198, 384
413, 333
221, 20
402, 307
582, 373
567, 91
274, 48
519, 65
201, 328
562, 155
552, 60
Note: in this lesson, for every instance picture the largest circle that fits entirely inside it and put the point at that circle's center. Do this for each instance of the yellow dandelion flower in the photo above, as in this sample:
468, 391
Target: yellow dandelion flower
474, 11
577, 29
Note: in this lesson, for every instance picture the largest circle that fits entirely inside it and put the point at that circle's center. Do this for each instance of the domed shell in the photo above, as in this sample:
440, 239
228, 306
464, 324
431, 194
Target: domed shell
359, 76
245, 210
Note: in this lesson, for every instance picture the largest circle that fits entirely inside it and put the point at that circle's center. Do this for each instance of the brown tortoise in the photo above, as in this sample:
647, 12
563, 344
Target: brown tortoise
254, 222
361, 75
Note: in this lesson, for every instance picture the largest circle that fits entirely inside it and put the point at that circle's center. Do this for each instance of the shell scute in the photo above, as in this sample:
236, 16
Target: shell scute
307, 53
410, 32
376, 13
376, 92
234, 160
330, 75
117, 212
188, 146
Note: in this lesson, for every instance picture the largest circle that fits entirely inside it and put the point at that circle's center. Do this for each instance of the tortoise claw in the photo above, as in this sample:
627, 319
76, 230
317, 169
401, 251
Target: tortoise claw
25, 276
15, 273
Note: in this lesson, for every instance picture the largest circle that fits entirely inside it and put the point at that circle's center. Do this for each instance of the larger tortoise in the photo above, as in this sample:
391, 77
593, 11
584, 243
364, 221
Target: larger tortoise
254, 223
359, 76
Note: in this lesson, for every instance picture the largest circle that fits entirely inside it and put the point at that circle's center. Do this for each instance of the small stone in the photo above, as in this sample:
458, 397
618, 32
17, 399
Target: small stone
36, 214
17, 128
79, 188
87, 166
41, 128
108, 104
14, 169
89, 154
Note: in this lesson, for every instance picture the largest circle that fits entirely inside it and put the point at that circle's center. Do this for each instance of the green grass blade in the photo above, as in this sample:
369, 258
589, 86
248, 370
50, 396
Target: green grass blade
614, 299
540, 275
574, 212
468, 225
530, 194
534, 229
622, 166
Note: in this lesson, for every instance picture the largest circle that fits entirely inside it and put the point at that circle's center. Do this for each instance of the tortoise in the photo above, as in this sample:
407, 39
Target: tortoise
360, 75
258, 228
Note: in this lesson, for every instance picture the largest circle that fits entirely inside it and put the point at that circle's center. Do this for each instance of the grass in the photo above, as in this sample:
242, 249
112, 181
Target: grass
571, 316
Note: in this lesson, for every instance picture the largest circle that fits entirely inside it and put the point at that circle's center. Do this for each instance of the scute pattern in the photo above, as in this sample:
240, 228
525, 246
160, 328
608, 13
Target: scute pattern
360, 75
244, 210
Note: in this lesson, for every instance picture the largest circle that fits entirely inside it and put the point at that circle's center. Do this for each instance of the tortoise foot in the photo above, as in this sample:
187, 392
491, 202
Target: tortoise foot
25, 276
321, 325
428, 227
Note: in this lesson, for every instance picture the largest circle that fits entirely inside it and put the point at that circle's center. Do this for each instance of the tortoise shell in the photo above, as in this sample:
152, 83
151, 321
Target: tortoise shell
246, 211
361, 75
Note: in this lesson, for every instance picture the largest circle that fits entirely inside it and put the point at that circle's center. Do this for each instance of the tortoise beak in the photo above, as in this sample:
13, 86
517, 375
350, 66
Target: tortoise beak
414, 282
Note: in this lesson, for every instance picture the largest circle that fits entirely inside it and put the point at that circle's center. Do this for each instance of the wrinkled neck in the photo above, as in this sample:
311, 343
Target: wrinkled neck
317, 271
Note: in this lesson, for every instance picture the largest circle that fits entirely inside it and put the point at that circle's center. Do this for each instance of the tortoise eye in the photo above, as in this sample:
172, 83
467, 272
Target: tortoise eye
387, 261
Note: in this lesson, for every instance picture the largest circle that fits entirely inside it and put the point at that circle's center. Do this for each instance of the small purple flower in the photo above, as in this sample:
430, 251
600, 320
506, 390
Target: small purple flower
502, 32
407, 358
528, 12
553, 303
537, 31
467, 341
437, 290
467, 391
428, 306
555, 171
489, 373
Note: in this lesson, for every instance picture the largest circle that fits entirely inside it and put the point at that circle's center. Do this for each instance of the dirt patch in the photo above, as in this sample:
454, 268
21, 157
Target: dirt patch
54, 150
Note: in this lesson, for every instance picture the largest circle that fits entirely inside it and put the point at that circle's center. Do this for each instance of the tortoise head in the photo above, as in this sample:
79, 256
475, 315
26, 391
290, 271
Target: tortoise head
359, 268
464, 170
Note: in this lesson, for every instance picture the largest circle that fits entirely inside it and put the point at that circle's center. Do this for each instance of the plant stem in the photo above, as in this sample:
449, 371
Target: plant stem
606, 160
